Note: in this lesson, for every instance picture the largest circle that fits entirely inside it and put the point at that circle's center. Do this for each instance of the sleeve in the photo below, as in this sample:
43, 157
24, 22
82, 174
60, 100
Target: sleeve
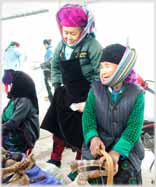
21, 111
133, 130
95, 53
89, 118
55, 69
50, 54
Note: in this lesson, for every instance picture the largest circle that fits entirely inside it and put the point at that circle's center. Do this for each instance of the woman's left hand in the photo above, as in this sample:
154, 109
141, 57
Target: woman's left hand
80, 106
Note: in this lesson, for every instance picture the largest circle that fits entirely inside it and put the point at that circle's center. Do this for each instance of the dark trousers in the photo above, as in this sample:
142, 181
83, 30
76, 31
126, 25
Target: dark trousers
47, 81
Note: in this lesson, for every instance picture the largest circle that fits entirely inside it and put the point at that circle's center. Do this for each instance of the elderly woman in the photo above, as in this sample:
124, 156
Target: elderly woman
114, 114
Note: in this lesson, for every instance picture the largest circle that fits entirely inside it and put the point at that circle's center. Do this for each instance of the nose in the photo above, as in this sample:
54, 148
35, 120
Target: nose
69, 37
102, 71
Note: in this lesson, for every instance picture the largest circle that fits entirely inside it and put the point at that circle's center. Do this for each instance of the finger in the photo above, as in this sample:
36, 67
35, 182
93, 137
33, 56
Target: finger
94, 154
115, 169
92, 151
95, 151
102, 146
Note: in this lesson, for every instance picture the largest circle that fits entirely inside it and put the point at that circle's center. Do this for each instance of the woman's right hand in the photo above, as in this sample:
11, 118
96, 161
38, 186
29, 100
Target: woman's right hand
115, 157
95, 145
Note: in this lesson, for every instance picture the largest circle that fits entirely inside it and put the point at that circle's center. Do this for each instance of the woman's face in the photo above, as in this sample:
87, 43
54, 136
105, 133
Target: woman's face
107, 69
71, 34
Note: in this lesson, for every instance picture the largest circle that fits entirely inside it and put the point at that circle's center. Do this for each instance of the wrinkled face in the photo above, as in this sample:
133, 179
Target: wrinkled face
71, 34
107, 69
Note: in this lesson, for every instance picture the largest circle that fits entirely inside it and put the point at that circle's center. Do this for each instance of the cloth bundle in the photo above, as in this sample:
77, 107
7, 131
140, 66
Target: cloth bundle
20, 169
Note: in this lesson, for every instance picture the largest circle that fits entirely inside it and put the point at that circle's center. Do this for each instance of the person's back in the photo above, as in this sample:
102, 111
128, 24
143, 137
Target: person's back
12, 57
20, 119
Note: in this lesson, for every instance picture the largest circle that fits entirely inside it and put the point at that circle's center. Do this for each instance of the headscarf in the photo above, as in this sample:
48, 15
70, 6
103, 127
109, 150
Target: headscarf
74, 15
132, 77
12, 44
23, 86
124, 57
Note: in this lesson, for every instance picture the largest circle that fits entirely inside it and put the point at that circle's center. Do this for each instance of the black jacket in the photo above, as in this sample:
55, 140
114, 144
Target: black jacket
24, 120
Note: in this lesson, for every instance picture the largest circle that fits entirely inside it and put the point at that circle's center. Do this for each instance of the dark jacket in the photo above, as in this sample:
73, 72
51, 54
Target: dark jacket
24, 120
90, 56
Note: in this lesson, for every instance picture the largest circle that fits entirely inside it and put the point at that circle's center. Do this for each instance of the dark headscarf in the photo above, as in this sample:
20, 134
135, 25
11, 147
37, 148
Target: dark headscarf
23, 86
113, 53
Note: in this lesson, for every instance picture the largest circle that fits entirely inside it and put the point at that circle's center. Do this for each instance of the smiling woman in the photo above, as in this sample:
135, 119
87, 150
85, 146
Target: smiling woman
71, 34
74, 67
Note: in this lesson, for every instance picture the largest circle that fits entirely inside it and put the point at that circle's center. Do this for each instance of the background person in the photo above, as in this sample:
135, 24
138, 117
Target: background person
11, 61
46, 66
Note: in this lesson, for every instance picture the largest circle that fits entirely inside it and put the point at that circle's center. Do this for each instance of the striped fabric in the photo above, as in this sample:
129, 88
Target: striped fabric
124, 68
90, 27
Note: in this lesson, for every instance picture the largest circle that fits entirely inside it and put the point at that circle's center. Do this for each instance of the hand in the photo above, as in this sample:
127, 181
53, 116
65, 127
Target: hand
115, 157
95, 145
80, 106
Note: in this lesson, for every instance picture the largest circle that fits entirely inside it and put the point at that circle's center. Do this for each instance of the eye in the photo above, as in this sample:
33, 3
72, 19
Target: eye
73, 34
65, 32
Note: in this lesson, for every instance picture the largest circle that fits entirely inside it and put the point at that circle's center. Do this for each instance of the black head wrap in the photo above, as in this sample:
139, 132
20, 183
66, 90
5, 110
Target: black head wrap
113, 53
23, 86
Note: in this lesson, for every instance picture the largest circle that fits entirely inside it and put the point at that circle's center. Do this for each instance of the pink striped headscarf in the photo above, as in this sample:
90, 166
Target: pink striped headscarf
74, 15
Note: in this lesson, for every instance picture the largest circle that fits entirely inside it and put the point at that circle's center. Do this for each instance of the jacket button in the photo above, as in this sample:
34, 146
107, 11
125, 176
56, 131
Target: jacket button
114, 123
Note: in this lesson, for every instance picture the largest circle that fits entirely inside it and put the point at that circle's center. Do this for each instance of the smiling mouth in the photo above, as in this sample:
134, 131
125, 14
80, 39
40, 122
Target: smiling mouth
70, 42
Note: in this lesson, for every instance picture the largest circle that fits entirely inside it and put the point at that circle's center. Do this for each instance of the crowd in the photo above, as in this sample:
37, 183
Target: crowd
95, 104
